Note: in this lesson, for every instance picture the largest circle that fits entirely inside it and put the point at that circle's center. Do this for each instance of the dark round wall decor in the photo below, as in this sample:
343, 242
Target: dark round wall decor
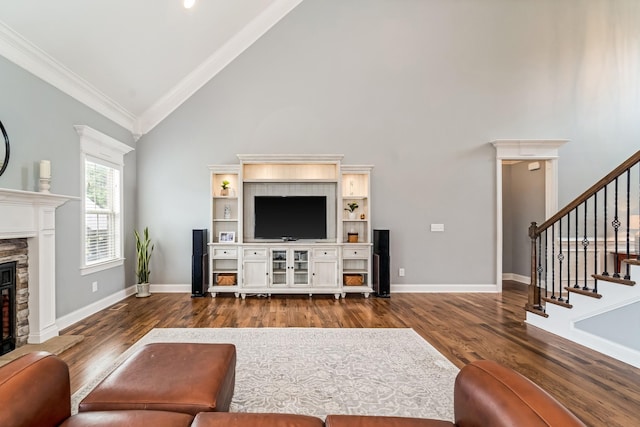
4, 150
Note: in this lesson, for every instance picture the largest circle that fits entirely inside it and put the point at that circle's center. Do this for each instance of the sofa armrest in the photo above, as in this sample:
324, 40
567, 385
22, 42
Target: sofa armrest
488, 394
35, 391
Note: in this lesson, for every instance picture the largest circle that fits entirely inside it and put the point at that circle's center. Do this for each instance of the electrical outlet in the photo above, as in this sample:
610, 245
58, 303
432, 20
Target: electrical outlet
437, 227
401, 272
94, 286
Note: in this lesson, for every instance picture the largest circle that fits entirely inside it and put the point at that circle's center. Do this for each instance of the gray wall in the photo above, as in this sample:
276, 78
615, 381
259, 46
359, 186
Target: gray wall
416, 88
39, 120
522, 203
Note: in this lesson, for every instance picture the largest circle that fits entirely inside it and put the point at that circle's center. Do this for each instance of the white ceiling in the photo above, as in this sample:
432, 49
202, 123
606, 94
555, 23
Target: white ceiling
134, 61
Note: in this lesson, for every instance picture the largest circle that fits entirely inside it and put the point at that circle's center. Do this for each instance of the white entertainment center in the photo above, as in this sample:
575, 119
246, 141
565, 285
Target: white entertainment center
333, 256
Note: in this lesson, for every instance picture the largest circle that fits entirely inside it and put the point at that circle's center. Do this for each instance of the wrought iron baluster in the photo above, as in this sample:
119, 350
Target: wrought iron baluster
575, 285
560, 259
595, 242
546, 271
585, 244
605, 272
628, 266
616, 225
568, 252
539, 269
553, 263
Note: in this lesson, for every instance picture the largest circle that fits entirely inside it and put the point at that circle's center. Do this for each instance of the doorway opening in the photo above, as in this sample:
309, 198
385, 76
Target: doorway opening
544, 151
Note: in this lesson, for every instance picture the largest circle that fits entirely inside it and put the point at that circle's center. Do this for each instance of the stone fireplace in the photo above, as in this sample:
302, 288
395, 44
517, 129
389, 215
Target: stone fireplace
27, 237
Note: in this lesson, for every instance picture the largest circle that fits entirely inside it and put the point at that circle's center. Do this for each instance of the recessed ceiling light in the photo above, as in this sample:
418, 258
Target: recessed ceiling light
188, 4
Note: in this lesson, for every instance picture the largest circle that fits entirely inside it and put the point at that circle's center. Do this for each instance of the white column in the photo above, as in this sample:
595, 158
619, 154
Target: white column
42, 277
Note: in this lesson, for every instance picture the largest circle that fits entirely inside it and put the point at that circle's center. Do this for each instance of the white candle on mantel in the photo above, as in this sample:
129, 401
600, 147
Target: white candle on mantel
45, 169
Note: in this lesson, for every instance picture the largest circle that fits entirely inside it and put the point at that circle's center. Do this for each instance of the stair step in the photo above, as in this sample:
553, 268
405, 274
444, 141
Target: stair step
556, 302
537, 311
588, 292
613, 279
631, 261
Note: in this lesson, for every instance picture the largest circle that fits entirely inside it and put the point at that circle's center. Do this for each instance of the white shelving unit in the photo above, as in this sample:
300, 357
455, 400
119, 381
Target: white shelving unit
336, 265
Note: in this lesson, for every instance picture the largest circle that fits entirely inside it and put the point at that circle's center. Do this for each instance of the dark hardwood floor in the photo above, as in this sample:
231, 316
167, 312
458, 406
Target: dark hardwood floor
463, 327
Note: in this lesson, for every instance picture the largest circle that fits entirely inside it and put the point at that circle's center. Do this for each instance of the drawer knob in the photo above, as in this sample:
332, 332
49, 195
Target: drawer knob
255, 253
325, 253
224, 252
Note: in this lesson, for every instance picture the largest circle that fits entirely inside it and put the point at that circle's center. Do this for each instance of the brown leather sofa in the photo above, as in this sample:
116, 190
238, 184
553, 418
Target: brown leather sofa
35, 392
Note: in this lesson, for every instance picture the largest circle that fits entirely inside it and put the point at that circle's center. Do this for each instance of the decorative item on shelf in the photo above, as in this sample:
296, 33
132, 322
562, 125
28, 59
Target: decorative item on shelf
45, 176
227, 237
226, 279
352, 279
144, 249
227, 211
362, 216
351, 208
225, 188
352, 236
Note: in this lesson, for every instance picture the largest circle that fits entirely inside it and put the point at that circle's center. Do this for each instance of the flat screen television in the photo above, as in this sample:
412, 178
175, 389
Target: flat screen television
290, 217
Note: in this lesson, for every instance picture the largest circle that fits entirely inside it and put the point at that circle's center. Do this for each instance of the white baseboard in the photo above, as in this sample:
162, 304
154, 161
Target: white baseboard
170, 289
78, 315
418, 289
516, 278
84, 312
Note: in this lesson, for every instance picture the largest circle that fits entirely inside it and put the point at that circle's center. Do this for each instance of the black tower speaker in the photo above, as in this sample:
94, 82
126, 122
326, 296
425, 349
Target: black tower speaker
199, 264
381, 264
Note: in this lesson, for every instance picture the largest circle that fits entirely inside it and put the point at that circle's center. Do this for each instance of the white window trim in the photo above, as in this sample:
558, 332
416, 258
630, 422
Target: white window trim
96, 145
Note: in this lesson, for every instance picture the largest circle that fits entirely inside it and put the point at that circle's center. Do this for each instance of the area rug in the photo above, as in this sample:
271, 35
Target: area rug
321, 371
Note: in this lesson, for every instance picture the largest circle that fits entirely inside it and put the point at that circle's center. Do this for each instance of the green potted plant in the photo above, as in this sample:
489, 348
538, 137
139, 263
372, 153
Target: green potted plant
351, 208
225, 188
144, 249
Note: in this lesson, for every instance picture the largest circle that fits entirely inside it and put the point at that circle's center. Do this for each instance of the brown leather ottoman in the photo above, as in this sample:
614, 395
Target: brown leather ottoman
178, 377
236, 419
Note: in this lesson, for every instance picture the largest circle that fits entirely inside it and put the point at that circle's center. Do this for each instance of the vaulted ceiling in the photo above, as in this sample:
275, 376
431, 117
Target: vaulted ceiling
134, 61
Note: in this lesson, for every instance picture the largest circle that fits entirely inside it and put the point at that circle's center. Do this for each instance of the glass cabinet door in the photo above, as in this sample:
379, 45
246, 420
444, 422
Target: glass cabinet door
279, 267
300, 267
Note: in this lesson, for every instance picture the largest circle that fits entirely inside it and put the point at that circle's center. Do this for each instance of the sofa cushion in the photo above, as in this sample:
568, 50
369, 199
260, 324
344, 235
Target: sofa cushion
236, 419
175, 377
129, 418
374, 421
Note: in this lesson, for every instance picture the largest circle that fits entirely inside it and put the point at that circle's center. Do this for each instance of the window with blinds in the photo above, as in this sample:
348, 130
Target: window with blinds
102, 213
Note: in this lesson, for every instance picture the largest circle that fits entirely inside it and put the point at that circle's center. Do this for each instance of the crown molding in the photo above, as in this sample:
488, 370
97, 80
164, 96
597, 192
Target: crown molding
25, 54
513, 149
213, 65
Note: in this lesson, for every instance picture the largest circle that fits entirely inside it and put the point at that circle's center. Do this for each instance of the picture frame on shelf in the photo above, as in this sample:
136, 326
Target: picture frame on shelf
227, 236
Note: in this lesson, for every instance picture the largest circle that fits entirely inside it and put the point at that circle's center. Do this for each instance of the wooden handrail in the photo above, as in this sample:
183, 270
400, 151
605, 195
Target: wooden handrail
627, 164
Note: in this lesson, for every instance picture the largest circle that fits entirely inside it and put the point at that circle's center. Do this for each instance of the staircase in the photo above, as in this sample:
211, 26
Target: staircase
584, 260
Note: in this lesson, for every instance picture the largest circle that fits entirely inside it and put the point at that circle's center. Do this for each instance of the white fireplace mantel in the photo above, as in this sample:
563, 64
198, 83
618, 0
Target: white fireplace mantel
31, 215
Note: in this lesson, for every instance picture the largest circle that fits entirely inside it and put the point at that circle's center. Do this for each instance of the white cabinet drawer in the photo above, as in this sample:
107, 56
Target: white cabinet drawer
355, 252
325, 253
249, 253
225, 253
